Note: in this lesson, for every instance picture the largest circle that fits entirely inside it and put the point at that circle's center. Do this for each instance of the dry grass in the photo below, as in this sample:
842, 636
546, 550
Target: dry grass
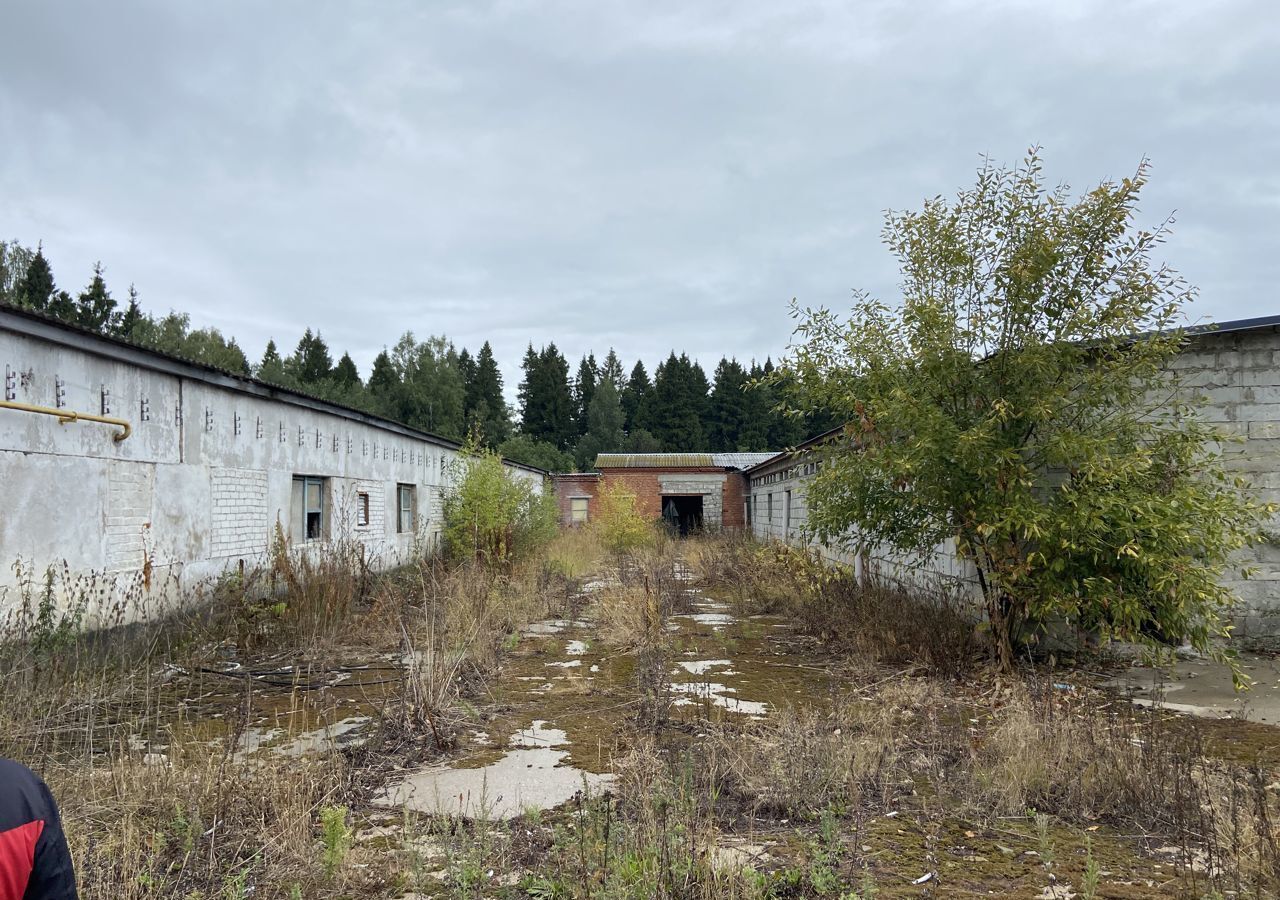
155, 798
882, 621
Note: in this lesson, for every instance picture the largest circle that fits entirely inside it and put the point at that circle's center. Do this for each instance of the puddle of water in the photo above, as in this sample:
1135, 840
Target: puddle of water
531, 775
328, 737
703, 666
718, 694
714, 619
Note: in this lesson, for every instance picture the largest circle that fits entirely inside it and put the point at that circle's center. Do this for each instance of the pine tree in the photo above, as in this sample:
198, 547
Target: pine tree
311, 363
467, 369
604, 425
345, 373
611, 369
753, 432
132, 314
384, 386
545, 399
489, 409
728, 407
36, 289
635, 399
584, 388
271, 369
680, 404
95, 307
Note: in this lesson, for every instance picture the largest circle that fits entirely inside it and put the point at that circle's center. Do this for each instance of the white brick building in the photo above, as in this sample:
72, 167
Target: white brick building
212, 464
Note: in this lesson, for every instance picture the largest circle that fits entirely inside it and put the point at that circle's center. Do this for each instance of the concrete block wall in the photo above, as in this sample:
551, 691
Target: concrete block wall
1238, 376
205, 477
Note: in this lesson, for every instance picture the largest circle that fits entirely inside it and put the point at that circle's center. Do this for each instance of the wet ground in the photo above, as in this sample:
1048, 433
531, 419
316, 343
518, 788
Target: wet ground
1202, 687
562, 698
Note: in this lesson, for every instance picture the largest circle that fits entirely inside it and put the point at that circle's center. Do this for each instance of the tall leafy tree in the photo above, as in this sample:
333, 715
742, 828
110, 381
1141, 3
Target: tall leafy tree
1017, 406
432, 395
15, 259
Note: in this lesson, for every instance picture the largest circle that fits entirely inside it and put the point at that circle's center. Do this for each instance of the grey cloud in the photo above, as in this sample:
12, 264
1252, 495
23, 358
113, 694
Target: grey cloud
643, 175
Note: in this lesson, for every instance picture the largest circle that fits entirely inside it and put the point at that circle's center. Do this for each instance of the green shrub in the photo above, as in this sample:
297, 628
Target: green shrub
492, 515
622, 527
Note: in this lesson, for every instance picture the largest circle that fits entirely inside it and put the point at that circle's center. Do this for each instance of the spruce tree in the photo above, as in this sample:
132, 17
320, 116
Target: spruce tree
584, 388
611, 369
132, 314
345, 373
489, 411
311, 363
680, 405
604, 426
635, 399
95, 307
728, 407
271, 369
384, 386
36, 289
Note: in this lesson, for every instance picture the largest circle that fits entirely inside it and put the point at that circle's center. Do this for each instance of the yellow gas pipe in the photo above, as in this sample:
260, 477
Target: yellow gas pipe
67, 416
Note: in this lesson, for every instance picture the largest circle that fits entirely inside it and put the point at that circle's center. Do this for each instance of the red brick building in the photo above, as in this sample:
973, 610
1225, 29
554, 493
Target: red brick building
690, 490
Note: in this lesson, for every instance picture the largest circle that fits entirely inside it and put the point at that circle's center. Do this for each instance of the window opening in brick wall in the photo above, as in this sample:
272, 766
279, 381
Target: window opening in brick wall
405, 501
578, 510
786, 514
309, 508
362, 509
770, 517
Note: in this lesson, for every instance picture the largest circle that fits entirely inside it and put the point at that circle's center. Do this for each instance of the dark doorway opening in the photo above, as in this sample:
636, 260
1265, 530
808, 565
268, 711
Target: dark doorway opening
683, 514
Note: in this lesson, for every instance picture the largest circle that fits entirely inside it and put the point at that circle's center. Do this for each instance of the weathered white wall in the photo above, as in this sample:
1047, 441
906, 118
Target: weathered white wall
1238, 374
205, 477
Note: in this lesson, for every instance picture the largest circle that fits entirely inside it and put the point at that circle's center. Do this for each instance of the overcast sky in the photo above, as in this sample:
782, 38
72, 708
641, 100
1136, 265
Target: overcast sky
647, 175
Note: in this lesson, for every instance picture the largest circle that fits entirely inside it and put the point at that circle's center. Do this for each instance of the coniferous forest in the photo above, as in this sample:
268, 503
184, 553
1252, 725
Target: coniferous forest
564, 415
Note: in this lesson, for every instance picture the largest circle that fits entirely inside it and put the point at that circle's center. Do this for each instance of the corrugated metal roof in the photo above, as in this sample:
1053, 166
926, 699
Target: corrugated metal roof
740, 460
652, 460
679, 460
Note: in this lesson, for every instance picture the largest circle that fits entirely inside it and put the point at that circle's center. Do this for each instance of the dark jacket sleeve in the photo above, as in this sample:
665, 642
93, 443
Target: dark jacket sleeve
52, 877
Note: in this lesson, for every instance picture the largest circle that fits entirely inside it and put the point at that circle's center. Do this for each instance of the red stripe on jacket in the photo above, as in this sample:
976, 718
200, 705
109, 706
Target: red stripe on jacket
17, 856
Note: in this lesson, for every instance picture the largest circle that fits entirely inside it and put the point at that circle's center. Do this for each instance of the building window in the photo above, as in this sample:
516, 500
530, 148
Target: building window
770, 507
362, 509
578, 507
786, 514
308, 508
405, 506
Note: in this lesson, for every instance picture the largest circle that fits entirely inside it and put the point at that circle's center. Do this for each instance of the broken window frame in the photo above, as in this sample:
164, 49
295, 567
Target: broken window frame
310, 525
406, 508
362, 509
